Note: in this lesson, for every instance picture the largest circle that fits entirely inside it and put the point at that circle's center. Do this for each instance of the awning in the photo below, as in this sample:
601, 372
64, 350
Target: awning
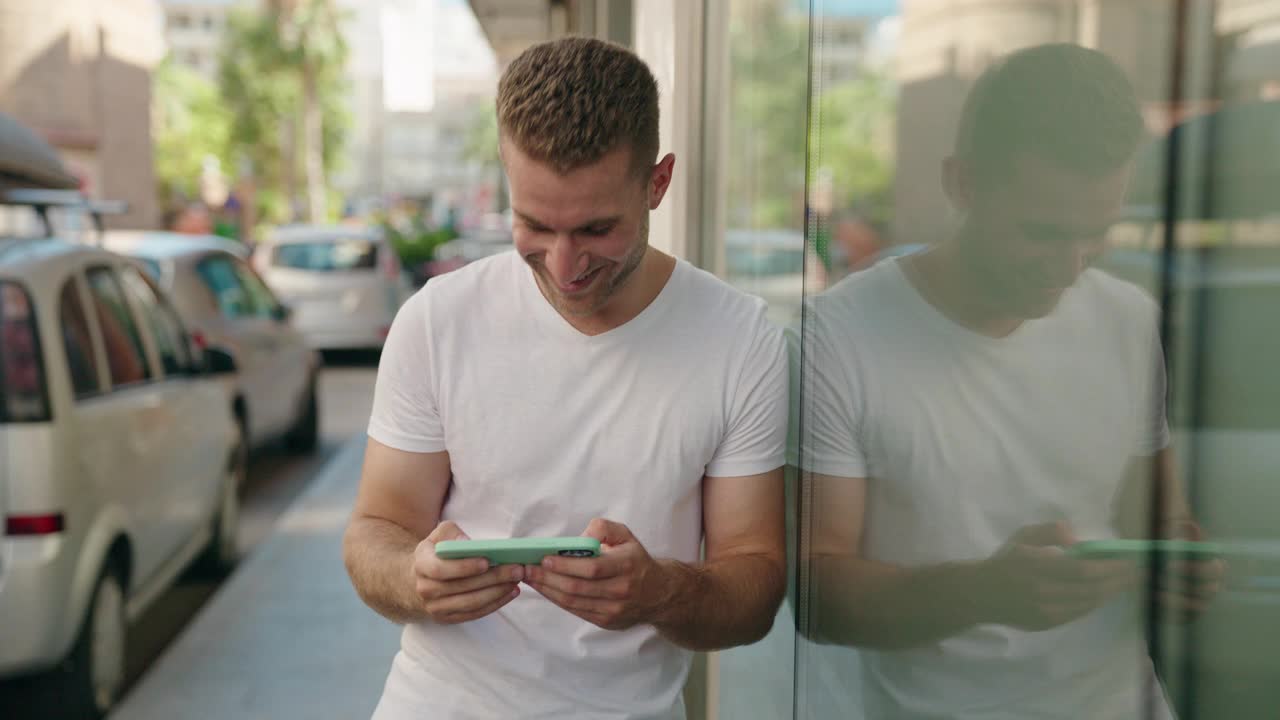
27, 161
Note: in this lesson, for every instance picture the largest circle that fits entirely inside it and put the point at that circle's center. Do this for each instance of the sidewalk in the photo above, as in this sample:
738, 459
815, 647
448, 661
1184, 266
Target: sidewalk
286, 636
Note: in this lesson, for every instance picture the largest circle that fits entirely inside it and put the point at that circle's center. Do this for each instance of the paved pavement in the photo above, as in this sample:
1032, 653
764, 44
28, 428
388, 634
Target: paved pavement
286, 637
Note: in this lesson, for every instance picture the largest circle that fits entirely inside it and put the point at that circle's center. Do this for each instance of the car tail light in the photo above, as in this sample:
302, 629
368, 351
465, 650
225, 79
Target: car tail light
199, 340
21, 363
34, 524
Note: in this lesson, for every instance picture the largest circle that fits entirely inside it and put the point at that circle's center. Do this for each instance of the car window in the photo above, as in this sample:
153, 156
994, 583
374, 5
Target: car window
219, 276
120, 334
165, 326
82, 358
264, 302
353, 254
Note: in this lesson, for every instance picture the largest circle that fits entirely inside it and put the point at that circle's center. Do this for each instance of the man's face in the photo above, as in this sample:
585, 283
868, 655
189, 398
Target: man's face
583, 233
1030, 236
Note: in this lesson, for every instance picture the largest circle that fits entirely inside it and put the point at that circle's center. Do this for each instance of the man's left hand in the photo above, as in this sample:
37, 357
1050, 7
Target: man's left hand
622, 588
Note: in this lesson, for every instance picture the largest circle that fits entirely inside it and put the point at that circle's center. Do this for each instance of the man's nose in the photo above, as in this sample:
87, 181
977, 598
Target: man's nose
566, 260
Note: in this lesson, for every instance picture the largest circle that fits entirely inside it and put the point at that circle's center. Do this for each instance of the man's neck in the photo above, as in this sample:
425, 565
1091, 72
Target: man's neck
947, 282
644, 286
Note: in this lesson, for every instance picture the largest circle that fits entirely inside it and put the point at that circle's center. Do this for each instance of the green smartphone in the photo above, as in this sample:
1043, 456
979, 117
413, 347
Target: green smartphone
1143, 549
518, 551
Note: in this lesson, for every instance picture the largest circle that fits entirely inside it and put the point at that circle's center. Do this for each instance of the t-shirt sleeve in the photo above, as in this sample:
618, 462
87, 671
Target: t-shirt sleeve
756, 436
405, 414
825, 406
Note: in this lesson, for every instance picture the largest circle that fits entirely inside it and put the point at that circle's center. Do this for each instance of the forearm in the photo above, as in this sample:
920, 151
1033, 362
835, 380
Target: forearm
859, 602
724, 603
379, 558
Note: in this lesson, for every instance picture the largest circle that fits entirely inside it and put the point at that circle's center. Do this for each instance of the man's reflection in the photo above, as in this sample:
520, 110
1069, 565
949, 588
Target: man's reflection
971, 410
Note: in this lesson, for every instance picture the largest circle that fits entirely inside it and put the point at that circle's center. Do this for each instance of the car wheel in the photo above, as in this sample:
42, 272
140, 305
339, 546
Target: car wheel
96, 667
305, 435
224, 546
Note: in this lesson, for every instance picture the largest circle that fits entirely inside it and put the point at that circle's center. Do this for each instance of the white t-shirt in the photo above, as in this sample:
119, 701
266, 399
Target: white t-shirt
548, 428
964, 439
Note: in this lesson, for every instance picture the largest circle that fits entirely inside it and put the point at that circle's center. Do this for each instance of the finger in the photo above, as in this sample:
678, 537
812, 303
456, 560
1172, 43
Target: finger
1179, 603
429, 565
599, 568
608, 532
611, 588
469, 602
447, 530
1091, 593
575, 603
1095, 571
1045, 535
503, 574
489, 609
1199, 570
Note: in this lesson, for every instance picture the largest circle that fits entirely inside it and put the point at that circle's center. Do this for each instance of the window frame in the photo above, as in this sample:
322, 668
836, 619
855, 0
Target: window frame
150, 358
97, 346
182, 343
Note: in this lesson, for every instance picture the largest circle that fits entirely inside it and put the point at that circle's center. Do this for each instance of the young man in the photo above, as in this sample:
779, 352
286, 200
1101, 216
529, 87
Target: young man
584, 384
971, 410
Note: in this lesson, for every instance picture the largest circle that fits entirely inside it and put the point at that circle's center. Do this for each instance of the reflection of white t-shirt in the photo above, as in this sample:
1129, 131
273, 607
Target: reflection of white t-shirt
547, 428
965, 439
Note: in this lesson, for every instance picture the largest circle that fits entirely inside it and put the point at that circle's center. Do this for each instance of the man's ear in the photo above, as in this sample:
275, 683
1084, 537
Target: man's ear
660, 180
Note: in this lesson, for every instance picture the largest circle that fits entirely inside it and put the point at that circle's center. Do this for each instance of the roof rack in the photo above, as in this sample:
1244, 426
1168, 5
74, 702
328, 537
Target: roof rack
41, 200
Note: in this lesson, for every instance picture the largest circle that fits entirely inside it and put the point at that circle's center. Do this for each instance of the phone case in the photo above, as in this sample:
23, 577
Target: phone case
518, 551
1143, 549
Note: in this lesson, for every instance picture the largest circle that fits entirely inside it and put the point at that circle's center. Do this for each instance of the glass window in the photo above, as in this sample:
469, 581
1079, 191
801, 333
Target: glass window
82, 357
264, 302
220, 277
161, 319
1040, 248
327, 256
120, 334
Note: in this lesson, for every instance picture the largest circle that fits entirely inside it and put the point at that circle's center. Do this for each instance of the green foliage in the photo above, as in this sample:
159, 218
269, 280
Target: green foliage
857, 144
260, 82
191, 124
417, 244
481, 142
768, 93
770, 101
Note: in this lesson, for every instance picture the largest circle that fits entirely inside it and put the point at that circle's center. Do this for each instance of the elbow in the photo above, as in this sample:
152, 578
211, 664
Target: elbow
352, 553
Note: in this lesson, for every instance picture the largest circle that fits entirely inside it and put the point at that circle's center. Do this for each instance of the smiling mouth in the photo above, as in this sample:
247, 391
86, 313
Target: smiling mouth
582, 283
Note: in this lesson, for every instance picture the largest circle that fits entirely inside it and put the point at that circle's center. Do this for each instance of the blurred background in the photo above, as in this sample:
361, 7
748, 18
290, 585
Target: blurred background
233, 197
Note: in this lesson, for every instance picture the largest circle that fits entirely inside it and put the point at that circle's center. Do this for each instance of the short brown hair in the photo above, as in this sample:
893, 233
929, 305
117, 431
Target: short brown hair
570, 102
1067, 104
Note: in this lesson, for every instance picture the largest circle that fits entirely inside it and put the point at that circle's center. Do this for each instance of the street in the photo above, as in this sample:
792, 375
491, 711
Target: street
276, 478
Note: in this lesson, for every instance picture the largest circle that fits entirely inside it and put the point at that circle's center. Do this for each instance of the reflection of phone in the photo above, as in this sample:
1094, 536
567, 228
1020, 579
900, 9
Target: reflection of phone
1141, 550
518, 551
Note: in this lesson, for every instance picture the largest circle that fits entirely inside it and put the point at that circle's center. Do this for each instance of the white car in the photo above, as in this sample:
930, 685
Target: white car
226, 304
343, 283
120, 462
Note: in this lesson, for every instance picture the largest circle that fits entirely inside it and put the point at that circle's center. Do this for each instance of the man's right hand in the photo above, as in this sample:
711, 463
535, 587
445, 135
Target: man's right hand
458, 591
1031, 584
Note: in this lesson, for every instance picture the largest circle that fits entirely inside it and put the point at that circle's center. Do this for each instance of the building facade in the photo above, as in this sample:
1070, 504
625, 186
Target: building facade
79, 73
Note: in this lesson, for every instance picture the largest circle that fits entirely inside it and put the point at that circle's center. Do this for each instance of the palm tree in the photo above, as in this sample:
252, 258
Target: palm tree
312, 48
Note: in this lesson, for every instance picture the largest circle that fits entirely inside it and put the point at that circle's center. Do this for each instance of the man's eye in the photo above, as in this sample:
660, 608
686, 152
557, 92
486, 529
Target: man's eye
598, 231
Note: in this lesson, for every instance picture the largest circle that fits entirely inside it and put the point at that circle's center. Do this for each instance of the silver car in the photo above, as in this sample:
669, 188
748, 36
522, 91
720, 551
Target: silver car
120, 462
343, 283
227, 305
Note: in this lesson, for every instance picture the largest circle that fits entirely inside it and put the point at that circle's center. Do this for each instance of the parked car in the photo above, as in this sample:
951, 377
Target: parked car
227, 305
344, 283
120, 461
